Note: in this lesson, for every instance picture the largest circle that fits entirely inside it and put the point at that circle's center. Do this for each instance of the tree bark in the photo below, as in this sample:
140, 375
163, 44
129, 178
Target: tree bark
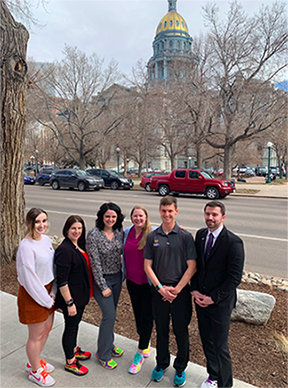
13, 46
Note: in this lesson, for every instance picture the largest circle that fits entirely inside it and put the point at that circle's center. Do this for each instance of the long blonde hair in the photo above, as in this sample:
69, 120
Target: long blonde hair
146, 229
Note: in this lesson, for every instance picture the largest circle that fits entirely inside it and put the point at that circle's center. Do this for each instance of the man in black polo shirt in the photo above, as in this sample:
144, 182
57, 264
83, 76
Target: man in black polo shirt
170, 262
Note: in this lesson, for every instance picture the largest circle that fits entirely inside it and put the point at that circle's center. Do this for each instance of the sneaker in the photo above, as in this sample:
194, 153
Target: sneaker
76, 368
146, 352
111, 364
209, 384
117, 352
158, 374
179, 379
81, 354
136, 363
41, 378
45, 365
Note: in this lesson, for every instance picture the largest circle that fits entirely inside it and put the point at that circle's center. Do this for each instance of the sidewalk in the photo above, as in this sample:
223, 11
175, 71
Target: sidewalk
266, 190
13, 358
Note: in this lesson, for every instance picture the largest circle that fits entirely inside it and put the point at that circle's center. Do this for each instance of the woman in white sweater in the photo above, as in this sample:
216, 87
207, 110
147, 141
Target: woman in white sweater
36, 293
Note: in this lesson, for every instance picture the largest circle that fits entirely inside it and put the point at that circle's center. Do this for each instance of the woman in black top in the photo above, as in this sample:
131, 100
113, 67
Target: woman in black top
72, 274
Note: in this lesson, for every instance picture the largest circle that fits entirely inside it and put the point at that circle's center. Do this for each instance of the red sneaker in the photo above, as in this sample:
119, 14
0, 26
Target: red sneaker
81, 354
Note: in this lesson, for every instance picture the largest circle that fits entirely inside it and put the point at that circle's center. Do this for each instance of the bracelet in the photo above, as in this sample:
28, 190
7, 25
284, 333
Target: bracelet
70, 302
157, 288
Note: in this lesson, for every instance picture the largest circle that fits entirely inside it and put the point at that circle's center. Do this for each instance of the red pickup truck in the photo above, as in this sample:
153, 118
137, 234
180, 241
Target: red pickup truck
192, 181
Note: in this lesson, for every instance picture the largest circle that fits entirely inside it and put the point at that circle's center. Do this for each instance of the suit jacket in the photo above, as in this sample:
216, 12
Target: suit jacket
222, 273
71, 269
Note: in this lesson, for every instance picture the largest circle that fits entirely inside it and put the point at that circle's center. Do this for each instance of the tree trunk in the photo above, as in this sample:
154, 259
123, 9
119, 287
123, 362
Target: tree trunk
199, 155
227, 161
13, 46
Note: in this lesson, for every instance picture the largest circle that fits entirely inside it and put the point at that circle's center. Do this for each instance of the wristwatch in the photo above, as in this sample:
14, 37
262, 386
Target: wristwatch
70, 302
157, 288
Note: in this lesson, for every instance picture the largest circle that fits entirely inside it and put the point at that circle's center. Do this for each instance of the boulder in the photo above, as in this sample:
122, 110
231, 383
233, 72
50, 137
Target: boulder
253, 307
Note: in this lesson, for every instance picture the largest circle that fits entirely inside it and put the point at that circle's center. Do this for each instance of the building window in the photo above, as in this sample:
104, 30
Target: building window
171, 23
178, 45
171, 44
177, 23
165, 24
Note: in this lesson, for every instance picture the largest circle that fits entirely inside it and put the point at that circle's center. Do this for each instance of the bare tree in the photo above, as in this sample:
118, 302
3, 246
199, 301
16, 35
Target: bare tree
13, 46
137, 140
247, 56
73, 98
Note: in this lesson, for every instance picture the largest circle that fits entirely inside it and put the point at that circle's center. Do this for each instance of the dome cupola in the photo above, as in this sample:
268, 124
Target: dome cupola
172, 40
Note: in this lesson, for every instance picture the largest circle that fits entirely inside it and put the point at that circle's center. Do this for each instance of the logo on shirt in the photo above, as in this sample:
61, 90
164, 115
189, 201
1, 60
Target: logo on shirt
156, 243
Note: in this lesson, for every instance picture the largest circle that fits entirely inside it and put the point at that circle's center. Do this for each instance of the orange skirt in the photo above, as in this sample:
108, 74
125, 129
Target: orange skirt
30, 311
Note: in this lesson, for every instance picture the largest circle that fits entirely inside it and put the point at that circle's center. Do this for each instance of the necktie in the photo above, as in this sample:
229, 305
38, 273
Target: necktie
208, 247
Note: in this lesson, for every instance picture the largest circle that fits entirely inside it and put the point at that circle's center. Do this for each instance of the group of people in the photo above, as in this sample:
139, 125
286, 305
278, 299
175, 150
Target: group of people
162, 267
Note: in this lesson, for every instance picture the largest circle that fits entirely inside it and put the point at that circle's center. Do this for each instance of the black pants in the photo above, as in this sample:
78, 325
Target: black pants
180, 311
69, 338
141, 299
214, 332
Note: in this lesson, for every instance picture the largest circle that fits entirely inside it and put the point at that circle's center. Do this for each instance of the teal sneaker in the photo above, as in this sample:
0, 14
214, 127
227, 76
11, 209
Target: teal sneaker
158, 374
179, 379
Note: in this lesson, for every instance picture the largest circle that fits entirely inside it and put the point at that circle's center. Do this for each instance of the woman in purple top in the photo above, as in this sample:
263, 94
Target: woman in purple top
137, 282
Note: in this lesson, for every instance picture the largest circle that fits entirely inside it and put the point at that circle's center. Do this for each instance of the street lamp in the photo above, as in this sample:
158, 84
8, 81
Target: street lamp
118, 153
189, 158
37, 170
269, 145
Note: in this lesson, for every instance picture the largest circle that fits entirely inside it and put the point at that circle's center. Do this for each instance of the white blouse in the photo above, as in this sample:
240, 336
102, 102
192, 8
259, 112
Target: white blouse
34, 262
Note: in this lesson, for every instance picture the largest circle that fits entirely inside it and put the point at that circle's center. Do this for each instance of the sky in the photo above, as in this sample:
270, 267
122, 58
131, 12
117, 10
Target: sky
114, 29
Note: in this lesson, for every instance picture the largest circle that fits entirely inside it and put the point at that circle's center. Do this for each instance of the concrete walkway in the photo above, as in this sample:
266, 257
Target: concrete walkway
13, 358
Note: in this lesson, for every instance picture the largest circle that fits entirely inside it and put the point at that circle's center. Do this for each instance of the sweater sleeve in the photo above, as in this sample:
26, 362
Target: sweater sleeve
28, 278
94, 260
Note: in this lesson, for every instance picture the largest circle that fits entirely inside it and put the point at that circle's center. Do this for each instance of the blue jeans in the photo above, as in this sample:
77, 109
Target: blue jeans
108, 308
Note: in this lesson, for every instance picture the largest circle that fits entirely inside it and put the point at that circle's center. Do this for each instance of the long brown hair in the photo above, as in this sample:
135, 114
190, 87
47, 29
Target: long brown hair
146, 229
31, 219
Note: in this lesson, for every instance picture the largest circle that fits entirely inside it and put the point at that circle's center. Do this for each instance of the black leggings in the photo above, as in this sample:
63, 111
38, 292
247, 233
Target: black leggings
69, 338
141, 299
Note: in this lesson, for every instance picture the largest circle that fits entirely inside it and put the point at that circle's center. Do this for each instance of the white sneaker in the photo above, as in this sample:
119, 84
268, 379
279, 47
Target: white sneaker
41, 378
209, 384
45, 365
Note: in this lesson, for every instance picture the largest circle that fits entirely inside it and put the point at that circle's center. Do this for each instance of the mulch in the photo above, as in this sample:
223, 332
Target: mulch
256, 353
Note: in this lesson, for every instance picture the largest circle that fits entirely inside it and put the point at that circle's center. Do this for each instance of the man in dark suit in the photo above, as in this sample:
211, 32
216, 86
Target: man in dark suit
220, 260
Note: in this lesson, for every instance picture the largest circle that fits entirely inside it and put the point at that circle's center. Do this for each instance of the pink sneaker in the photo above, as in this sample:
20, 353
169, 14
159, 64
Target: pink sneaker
136, 364
41, 378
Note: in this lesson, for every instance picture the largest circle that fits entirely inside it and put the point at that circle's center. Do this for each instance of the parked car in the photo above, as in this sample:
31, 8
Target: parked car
44, 176
75, 178
242, 169
220, 171
28, 180
275, 170
192, 181
132, 171
249, 172
261, 171
146, 179
119, 175
111, 178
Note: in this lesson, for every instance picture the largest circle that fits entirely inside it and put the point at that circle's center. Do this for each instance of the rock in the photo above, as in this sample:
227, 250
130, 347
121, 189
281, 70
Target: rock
282, 288
253, 307
251, 280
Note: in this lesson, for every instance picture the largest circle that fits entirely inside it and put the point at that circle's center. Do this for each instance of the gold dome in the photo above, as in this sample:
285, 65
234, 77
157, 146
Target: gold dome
172, 24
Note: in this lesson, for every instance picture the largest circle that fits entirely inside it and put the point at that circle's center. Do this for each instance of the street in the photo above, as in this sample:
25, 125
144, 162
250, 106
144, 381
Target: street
260, 222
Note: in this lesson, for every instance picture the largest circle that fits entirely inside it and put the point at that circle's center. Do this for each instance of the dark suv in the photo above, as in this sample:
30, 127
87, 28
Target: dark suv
44, 176
75, 178
111, 178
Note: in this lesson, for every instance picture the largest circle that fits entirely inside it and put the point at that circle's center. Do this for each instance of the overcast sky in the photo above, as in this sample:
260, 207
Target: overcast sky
119, 29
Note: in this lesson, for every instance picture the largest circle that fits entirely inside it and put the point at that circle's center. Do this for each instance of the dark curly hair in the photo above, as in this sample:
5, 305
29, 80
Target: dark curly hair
103, 209
69, 222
